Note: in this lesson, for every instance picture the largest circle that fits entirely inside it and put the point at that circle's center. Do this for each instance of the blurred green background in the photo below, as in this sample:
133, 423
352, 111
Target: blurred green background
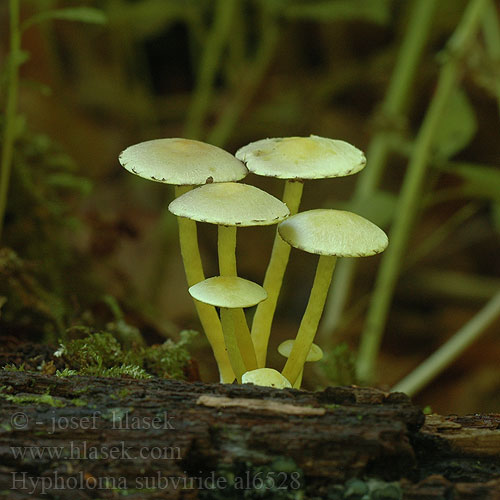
415, 84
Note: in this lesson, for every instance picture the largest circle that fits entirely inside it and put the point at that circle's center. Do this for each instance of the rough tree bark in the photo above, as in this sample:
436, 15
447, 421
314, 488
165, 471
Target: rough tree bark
117, 436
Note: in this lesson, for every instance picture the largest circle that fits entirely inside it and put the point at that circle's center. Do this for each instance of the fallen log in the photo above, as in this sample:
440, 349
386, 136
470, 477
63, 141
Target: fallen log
87, 437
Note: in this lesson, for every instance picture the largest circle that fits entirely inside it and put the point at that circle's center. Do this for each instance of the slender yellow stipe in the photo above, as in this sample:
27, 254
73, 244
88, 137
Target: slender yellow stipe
188, 237
263, 318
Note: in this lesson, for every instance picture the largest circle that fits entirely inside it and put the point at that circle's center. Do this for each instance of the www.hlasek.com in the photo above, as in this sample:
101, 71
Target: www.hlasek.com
259, 480
81, 450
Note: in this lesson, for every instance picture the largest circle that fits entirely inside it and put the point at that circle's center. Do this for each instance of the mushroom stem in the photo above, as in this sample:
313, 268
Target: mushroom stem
229, 322
310, 320
226, 243
227, 267
188, 238
244, 340
263, 318
298, 381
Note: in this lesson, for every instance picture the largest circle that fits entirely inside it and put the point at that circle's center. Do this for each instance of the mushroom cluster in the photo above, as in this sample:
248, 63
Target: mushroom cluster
240, 351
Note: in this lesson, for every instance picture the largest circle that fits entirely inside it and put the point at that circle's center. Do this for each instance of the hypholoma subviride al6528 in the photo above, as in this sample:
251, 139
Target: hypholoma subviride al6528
240, 351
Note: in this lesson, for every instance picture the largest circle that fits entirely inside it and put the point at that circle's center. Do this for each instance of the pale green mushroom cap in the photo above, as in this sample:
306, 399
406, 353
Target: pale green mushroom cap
315, 352
333, 232
182, 162
228, 291
266, 377
230, 204
310, 157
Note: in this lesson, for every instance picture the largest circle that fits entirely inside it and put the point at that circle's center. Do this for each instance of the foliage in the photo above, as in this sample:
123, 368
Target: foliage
338, 365
27, 302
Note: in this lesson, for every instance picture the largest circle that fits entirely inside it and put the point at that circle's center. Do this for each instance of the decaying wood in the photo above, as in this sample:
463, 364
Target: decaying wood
117, 428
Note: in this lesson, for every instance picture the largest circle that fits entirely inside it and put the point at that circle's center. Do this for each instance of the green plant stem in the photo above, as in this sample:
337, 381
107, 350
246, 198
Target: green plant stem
264, 314
442, 232
310, 320
455, 285
408, 202
425, 248
9, 134
392, 109
248, 85
188, 237
491, 30
451, 350
214, 46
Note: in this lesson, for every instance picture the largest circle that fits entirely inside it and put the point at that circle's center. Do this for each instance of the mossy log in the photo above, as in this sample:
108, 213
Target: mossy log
86, 437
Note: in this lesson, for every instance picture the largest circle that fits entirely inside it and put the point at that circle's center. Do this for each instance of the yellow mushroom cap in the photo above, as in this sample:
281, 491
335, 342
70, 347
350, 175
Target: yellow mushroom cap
228, 291
315, 352
182, 162
230, 204
333, 232
310, 157
266, 377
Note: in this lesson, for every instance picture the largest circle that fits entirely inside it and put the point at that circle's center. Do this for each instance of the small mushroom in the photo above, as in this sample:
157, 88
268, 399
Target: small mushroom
295, 159
315, 354
231, 294
229, 205
185, 163
267, 377
329, 234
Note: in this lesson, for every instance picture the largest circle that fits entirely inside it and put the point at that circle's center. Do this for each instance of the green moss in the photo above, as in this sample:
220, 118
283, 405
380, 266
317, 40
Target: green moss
66, 373
122, 393
168, 359
45, 398
82, 390
34, 398
13, 368
332, 406
79, 402
95, 350
116, 414
101, 355
132, 371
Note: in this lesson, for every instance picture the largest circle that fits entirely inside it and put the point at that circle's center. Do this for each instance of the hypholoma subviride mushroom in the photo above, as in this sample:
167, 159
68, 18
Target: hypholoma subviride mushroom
315, 354
294, 159
229, 205
221, 201
185, 163
330, 234
231, 294
267, 377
